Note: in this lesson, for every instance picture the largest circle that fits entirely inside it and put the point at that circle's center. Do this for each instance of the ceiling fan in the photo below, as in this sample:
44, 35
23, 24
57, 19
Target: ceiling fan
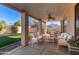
50, 18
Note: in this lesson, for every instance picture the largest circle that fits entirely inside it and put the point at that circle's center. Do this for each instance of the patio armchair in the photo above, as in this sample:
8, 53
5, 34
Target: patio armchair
35, 38
63, 38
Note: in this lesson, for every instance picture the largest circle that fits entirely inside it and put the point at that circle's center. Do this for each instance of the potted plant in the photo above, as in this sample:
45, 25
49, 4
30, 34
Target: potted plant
74, 45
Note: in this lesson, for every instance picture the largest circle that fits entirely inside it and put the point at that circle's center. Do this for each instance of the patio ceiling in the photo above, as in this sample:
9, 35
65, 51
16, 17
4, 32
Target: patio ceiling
41, 10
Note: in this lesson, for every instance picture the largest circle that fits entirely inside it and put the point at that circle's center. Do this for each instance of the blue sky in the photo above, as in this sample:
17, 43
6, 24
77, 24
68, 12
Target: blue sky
8, 15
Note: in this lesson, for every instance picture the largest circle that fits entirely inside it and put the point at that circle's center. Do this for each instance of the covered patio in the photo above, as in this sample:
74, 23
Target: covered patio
41, 12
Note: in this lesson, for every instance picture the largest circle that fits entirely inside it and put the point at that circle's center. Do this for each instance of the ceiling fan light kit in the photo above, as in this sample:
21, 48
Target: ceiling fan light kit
50, 18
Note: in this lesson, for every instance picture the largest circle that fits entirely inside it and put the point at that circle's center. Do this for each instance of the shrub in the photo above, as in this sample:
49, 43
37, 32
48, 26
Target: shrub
74, 42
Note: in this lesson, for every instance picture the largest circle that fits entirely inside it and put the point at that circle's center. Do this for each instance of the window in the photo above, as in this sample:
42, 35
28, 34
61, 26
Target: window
53, 26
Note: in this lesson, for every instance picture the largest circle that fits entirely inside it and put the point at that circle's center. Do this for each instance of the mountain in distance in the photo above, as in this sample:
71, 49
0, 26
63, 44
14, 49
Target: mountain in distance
53, 25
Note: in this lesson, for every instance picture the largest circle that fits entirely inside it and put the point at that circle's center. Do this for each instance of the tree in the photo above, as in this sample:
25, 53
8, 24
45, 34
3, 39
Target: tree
17, 23
2, 25
15, 26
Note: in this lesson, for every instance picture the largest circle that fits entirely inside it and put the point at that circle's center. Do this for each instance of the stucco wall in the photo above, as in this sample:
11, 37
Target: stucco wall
70, 16
19, 29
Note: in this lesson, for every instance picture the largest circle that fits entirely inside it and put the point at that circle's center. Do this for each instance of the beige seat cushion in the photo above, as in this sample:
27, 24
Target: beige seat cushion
62, 42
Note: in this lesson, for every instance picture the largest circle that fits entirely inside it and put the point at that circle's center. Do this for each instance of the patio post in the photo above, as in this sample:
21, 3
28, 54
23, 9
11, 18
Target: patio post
40, 27
62, 26
46, 27
24, 28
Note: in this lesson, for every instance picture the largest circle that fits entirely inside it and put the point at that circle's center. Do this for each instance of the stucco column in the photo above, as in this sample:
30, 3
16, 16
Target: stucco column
40, 27
24, 28
45, 27
62, 26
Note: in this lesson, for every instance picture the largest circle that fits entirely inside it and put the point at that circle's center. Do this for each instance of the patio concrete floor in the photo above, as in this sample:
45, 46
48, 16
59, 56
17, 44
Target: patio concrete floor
43, 49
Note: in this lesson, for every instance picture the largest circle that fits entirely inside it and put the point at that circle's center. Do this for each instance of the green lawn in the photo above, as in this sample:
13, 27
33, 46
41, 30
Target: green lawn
6, 40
